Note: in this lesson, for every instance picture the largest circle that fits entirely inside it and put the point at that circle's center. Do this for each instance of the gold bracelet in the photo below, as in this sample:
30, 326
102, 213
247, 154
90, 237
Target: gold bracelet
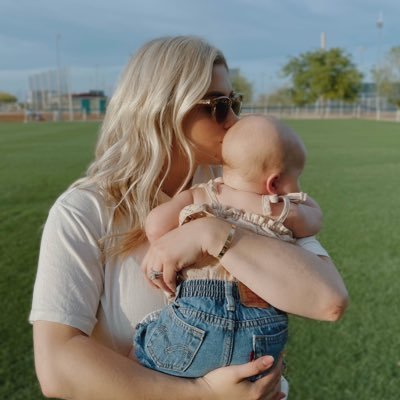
228, 242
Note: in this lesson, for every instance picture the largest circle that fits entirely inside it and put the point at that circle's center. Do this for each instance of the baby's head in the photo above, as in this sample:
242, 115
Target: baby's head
265, 153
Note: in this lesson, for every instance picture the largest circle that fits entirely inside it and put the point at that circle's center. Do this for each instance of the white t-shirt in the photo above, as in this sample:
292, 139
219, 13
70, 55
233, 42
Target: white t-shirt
73, 286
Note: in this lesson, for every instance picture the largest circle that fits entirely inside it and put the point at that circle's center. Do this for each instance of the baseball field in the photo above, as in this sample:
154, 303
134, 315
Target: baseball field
352, 171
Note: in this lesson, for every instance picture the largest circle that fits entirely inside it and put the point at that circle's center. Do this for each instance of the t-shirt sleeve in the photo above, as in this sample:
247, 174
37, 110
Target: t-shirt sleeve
313, 245
70, 275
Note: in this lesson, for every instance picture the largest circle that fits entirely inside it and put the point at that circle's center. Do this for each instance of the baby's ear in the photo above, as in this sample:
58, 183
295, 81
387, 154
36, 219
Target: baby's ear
272, 183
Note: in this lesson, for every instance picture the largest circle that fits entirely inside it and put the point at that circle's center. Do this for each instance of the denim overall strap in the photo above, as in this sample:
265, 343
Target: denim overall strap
230, 298
178, 291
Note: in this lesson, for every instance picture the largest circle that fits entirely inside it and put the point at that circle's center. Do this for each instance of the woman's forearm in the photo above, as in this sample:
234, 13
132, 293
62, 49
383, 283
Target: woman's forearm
73, 366
287, 276
283, 274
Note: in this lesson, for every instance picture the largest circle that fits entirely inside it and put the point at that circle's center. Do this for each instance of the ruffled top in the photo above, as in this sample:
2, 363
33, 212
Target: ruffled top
265, 224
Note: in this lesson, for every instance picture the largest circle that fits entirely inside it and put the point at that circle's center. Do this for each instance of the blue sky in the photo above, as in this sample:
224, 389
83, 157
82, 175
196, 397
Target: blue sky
257, 36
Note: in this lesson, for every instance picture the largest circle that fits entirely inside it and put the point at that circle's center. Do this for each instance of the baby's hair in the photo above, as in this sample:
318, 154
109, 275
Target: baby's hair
258, 145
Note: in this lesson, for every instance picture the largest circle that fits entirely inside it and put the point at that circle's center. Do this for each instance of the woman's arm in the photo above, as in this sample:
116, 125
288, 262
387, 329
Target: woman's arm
71, 365
287, 276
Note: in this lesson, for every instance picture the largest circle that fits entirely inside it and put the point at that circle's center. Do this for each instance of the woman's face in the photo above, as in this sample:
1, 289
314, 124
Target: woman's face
199, 126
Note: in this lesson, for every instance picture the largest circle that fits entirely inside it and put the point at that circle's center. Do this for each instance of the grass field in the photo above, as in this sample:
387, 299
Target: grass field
352, 171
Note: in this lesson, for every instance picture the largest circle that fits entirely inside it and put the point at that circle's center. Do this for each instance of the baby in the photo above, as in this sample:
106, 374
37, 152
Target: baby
215, 320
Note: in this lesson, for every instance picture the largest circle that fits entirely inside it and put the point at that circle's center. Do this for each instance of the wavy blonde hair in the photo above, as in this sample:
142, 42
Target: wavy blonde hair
160, 85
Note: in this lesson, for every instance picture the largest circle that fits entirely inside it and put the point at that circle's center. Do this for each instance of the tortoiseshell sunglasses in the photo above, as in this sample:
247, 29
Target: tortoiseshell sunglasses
220, 106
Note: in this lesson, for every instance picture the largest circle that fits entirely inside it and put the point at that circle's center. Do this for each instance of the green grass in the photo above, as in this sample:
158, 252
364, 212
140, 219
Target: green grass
37, 162
352, 170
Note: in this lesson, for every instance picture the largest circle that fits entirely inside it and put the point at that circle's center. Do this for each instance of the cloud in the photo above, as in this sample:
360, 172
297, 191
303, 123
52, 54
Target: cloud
255, 35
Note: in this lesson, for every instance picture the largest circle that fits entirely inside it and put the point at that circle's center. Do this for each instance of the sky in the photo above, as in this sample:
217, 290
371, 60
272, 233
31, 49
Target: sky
93, 40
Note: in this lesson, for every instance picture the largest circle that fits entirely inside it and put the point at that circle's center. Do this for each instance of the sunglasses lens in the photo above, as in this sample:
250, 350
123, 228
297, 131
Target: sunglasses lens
221, 109
236, 105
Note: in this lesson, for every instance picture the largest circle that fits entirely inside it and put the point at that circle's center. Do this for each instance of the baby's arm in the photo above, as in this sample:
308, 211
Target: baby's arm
304, 219
165, 217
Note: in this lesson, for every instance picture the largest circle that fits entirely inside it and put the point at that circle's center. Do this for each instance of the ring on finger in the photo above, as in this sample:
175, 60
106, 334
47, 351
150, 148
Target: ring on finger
155, 274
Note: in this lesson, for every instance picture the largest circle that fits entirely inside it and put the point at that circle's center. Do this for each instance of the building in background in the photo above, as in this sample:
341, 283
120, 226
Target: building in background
92, 102
50, 97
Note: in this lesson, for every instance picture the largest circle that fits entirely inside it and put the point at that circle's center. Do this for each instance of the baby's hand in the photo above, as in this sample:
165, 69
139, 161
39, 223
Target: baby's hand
304, 219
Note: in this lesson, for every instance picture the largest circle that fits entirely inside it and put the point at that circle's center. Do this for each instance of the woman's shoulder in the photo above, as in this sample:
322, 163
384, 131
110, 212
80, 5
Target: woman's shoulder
83, 204
82, 198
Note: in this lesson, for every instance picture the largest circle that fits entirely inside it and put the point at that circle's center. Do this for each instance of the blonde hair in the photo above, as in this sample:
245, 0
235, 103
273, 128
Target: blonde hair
259, 145
160, 85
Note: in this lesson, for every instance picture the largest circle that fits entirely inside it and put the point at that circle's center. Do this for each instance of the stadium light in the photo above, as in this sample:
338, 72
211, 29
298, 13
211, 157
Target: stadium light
379, 25
58, 38
323, 41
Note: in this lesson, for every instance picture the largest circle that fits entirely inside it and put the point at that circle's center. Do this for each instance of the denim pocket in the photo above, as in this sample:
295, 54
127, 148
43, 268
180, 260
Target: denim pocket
272, 344
173, 344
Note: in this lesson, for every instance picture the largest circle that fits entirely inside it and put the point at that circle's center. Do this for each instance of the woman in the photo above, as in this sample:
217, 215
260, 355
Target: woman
90, 292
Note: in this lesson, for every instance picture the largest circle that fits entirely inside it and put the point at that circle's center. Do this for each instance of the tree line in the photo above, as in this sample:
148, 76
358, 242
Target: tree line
319, 76
327, 75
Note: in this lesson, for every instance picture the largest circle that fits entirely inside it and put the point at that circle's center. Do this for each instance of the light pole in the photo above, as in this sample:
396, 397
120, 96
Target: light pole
58, 38
264, 91
323, 41
379, 26
321, 101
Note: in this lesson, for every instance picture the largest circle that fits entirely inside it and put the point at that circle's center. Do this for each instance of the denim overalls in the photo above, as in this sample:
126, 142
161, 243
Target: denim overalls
207, 327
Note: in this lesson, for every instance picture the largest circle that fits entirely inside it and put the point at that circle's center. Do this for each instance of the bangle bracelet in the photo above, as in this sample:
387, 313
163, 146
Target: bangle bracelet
228, 242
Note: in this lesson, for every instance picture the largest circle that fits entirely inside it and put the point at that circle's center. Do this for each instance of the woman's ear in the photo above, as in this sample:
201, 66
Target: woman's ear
272, 184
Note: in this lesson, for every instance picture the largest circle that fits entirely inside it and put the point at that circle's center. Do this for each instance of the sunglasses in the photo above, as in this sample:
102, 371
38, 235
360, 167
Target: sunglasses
220, 106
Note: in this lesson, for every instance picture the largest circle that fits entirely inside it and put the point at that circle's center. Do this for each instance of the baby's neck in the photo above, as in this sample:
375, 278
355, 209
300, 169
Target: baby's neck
235, 181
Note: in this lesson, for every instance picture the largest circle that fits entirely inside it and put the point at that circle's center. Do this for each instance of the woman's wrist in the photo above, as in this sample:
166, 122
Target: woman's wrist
228, 242
202, 390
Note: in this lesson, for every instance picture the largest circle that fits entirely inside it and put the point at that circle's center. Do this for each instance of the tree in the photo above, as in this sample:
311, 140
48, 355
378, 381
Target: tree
241, 85
323, 75
387, 76
281, 96
7, 98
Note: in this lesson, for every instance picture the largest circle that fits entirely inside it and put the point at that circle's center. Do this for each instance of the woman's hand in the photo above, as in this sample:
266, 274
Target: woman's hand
182, 247
232, 382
